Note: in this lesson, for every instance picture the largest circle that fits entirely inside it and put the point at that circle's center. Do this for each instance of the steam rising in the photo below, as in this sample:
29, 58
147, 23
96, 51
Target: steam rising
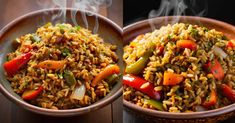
83, 5
175, 8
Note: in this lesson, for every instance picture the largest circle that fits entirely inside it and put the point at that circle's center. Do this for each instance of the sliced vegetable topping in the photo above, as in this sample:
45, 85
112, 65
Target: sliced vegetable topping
78, 92
113, 79
159, 49
228, 92
172, 78
156, 104
139, 65
51, 64
212, 100
141, 85
15, 64
219, 52
216, 69
186, 44
231, 44
31, 94
109, 70
69, 78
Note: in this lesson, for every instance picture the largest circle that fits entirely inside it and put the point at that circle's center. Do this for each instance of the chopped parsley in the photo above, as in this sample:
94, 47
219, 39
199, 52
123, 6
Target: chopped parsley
194, 32
78, 27
65, 52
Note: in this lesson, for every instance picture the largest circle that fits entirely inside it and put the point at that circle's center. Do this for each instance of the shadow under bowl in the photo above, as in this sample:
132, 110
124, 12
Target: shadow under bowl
28, 23
142, 27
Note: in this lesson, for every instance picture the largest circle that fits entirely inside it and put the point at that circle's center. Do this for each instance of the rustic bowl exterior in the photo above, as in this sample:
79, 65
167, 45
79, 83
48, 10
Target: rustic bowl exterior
108, 30
211, 116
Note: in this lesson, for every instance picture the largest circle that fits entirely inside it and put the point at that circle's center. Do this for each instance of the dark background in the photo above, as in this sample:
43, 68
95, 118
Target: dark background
136, 10
224, 10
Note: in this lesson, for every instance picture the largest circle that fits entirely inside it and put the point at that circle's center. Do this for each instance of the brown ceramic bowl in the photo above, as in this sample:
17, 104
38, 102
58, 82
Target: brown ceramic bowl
215, 115
108, 30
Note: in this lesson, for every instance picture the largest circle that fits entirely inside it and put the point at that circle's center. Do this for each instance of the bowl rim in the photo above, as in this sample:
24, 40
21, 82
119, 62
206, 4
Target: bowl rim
184, 115
67, 112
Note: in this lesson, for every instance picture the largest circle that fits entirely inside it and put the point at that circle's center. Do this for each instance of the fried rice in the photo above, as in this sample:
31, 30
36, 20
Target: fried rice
84, 56
188, 62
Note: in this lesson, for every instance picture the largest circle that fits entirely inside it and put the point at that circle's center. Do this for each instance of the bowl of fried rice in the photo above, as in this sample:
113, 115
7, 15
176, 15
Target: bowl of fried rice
61, 65
179, 69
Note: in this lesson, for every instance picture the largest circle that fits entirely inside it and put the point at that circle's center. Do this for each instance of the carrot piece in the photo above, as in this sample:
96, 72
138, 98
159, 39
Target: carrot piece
31, 94
231, 44
186, 44
109, 70
172, 78
51, 64
212, 100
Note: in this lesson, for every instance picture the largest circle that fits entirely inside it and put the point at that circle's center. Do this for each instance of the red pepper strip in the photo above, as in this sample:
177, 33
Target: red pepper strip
216, 69
109, 70
228, 92
31, 94
231, 44
159, 49
15, 64
211, 101
141, 85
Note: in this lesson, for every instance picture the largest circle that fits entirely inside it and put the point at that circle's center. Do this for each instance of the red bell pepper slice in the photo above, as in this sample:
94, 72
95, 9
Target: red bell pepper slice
15, 64
31, 94
141, 85
228, 92
159, 49
212, 100
216, 69
231, 44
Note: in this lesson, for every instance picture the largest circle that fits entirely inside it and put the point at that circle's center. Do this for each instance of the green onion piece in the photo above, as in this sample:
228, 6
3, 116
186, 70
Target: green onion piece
69, 78
156, 104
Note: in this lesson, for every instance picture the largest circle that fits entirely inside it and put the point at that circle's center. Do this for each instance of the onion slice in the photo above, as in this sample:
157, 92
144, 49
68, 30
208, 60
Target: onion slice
218, 51
78, 92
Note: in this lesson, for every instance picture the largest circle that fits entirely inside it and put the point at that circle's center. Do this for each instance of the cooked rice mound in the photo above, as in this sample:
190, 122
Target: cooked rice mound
84, 54
188, 95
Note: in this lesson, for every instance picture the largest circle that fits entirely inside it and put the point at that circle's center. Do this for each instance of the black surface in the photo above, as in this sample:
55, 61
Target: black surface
224, 10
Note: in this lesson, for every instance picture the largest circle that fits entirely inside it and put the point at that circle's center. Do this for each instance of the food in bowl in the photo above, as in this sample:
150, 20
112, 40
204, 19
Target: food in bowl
180, 68
62, 67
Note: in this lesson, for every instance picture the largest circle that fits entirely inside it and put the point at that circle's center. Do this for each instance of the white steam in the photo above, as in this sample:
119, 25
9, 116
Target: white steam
83, 5
175, 8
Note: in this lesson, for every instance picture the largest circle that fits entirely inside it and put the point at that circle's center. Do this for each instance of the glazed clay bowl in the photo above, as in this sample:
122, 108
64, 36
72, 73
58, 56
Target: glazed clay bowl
142, 27
108, 30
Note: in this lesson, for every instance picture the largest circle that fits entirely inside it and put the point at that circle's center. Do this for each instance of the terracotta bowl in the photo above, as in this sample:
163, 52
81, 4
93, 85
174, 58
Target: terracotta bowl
108, 30
142, 27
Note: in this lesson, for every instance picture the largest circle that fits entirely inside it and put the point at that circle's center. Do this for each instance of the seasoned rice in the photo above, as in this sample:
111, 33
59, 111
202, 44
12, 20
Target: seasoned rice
197, 83
85, 55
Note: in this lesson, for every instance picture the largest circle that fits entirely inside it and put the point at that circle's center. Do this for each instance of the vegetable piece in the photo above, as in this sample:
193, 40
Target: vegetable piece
228, 92
78, 92
231, 44
35, 38
156, 104
31, 94
109, 70
219, 52
15, 64
69, 78
186, 44
141, 85
172, 78
113, 79
212, 100
159, 49
51, 64
139, 65
216, 69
